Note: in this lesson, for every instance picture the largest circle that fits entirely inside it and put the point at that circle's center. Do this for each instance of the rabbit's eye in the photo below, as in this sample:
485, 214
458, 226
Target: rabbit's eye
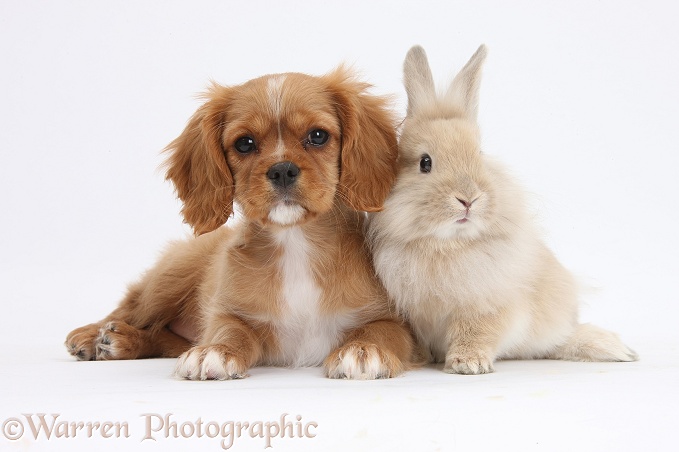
425, 163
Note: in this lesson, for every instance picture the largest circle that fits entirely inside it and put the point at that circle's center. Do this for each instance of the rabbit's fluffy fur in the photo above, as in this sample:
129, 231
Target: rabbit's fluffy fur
457, 251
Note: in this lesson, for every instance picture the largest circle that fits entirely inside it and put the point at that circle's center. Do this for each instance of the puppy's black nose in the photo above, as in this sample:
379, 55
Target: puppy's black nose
283, 174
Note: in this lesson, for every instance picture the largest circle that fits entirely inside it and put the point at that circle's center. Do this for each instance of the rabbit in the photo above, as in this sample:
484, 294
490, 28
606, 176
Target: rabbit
457, 250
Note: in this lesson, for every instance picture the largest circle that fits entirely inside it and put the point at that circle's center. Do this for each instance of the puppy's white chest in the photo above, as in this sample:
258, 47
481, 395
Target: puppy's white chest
305, 335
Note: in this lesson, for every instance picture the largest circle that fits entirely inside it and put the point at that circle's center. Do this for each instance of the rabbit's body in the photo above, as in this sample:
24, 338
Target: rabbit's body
458, 253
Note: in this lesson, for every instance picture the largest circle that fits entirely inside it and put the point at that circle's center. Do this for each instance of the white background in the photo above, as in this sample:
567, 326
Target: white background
579, 98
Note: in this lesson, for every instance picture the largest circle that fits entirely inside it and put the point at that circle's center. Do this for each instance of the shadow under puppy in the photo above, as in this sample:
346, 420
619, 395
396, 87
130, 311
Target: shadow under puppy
291, 284
458, 251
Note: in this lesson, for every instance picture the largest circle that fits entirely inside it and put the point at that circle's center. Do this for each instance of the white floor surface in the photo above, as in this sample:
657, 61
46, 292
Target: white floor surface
524, 405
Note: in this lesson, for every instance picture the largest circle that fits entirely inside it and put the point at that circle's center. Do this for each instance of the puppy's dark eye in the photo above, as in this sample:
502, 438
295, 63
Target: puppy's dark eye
425, 164
317, 137
245, 145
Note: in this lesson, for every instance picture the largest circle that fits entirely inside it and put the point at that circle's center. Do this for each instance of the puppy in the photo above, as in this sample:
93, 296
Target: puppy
292, 283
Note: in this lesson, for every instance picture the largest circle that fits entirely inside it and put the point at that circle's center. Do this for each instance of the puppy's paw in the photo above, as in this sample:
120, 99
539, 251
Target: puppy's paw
80, 342
362, 361
117, 340
212, 362
468, 364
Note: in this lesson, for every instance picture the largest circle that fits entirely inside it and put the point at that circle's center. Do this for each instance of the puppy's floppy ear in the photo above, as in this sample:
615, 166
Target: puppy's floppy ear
369, 147
197, 165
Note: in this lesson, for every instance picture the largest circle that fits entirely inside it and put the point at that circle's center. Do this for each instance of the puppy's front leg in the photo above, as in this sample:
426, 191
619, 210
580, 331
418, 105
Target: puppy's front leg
380, 349
229, 348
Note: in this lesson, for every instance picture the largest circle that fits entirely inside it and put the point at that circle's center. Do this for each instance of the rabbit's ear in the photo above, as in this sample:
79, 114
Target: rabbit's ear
464, 91
417, 79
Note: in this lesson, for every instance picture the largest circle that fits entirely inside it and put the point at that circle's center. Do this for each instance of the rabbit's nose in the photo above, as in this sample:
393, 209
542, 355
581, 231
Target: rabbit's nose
465, 203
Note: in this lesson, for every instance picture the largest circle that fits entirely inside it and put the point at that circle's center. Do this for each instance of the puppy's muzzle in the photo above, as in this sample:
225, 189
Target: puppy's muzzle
283, 174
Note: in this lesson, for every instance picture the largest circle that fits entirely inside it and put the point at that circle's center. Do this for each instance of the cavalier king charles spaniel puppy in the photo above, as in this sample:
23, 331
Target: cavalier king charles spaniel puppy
292, 282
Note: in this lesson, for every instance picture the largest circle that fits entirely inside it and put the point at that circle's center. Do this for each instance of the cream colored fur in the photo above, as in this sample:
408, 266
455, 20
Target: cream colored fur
457, 251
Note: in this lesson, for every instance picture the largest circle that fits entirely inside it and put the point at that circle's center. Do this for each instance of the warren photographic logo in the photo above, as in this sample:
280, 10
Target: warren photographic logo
153, 427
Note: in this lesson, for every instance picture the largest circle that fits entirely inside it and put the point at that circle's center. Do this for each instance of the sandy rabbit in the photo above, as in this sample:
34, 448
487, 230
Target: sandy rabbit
457, 250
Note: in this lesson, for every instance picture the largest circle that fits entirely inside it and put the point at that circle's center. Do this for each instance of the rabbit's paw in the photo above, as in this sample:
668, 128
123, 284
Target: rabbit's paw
468, 364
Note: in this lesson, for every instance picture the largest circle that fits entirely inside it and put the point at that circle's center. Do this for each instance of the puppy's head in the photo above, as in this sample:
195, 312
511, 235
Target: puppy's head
285, 147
